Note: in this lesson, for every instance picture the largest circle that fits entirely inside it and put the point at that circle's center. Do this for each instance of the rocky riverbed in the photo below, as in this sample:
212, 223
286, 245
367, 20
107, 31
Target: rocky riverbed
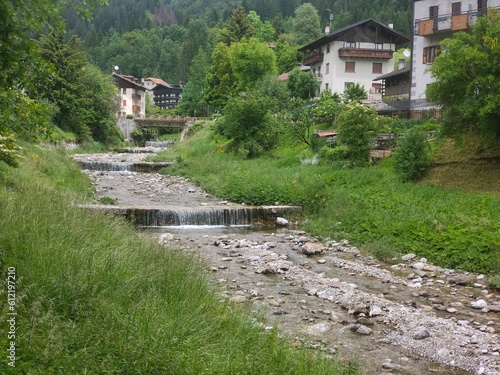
410, 317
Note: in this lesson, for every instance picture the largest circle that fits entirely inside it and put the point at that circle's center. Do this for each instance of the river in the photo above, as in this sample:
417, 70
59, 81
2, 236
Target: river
407, 318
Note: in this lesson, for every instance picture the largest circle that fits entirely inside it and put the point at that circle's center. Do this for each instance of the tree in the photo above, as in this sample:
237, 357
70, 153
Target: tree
85, 98
306, 24
193, 94
467, 85
356, 126
19, 60
302, 85
239, 26
328, 108
410, 157
287, 56
277, 91
264, 31
221, 80
355, 93
249, 125
250, 61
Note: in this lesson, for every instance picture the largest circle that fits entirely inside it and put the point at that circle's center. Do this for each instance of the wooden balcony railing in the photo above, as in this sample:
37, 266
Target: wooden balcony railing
313, 58
369, 53
450, 22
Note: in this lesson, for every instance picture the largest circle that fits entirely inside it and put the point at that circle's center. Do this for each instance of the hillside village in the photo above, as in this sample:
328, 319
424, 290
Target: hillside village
363, 52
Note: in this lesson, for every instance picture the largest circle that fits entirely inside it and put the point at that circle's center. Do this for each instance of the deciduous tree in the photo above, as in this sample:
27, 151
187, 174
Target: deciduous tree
467, 84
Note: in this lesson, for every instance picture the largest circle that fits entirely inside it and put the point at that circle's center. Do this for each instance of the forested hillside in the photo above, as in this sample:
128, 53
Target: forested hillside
161, 37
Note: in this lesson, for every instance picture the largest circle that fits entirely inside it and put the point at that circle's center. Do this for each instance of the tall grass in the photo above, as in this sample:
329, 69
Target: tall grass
95, 298
368, 206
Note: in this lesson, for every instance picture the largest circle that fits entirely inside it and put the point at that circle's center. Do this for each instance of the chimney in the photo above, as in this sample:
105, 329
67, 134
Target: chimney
391, 25
401, 63
327, 29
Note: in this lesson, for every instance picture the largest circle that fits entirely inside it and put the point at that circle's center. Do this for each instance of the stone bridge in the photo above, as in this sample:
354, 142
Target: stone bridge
128, 125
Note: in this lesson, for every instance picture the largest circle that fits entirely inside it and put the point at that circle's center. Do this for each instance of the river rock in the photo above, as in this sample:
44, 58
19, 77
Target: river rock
479, 304
462, 279
310, 248
421, 334
375, 310
165, 238
282, 222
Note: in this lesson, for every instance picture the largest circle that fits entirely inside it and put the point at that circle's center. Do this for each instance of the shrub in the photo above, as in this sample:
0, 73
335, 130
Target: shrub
494, 282
410, 157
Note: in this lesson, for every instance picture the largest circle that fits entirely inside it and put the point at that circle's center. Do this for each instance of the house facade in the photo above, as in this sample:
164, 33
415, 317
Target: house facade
166, 95
358, 53
433, 21
132, 96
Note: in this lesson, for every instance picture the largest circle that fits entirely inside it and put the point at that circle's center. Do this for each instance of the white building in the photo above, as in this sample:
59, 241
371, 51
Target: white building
132, 96
435, 20
358, 53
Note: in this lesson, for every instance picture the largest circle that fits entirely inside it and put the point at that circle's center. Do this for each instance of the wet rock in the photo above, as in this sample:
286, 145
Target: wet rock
238, 299
421, 334
310, 248
408, 257
375, 310
462, 279
479, 304
282, 222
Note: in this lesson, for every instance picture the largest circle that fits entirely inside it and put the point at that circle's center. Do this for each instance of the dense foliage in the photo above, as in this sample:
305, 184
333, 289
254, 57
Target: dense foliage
467, 85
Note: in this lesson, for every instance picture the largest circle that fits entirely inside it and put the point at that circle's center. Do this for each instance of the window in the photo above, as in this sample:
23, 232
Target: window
456, 9
326, 87
430, 54
328, 48
124, 103
350, 44
350, 67
347, 85
378, 45
376, 88
327, 69
377, 68
124, 90
482, 6
433, 12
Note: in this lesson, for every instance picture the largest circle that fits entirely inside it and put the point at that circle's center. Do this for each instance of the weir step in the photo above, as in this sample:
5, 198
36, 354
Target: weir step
143, 167
242, 216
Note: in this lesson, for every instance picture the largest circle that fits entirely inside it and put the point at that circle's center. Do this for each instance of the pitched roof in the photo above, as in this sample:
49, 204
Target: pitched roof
157, 81
405, 70
127, 81
373, 27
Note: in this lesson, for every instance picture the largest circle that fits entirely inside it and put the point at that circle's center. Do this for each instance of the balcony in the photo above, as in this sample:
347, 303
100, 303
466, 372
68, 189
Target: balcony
313, 58
136, 97
448, 22
366, 53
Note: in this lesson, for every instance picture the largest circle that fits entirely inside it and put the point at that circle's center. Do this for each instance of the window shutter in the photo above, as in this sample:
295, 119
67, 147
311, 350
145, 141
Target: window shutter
424, 57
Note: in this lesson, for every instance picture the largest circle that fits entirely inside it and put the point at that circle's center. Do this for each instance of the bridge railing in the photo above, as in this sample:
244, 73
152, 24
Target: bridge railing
165, 118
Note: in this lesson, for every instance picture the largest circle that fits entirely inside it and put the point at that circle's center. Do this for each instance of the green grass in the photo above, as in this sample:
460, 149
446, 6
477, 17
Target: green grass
93, 297
368, 206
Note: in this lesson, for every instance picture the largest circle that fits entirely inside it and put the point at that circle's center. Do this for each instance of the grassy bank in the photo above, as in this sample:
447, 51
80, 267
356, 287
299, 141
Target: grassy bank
368, 206
92, 297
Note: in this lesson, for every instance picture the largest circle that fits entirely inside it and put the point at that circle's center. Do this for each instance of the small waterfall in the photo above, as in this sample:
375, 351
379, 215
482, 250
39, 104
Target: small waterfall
205, 217
143, 167
158, 144
108, 167
211, 216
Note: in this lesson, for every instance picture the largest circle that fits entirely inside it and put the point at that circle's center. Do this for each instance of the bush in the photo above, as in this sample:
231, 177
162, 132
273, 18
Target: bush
494, 282
410, 157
